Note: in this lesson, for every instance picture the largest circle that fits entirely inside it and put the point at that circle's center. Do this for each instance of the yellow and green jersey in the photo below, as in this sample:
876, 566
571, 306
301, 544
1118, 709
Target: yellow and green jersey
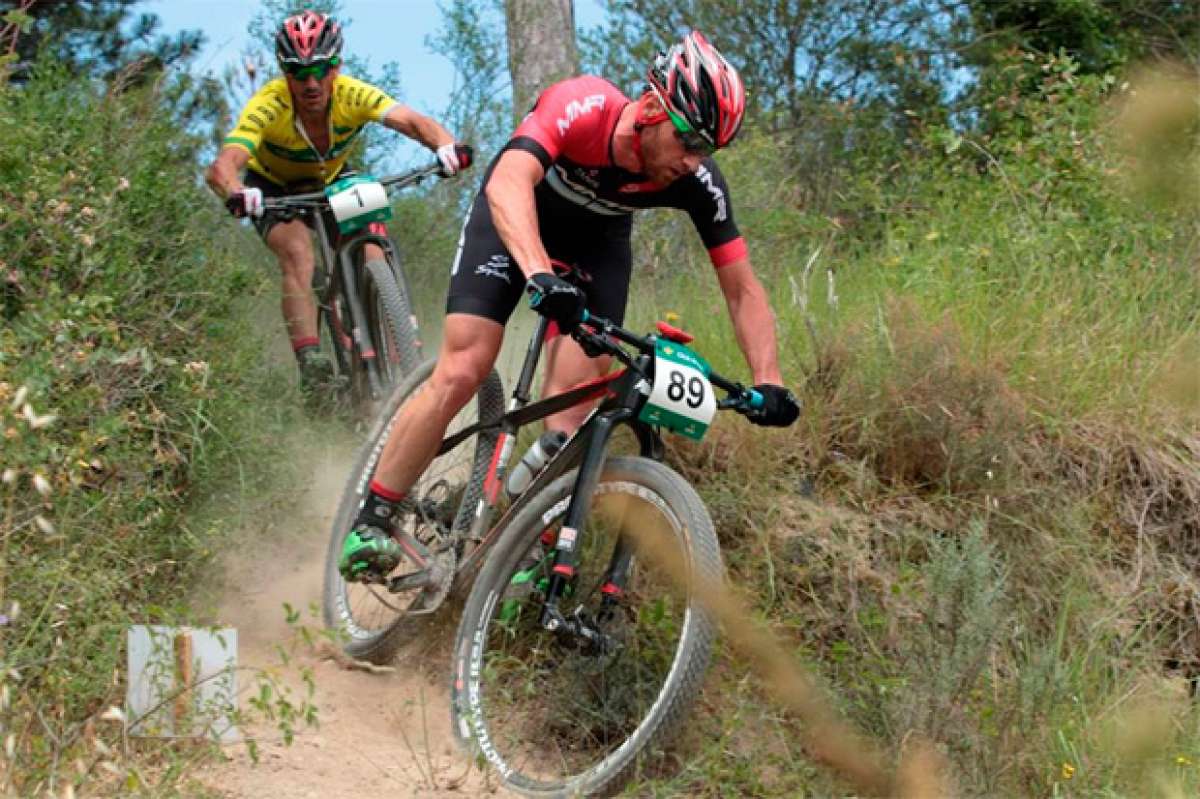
279, 151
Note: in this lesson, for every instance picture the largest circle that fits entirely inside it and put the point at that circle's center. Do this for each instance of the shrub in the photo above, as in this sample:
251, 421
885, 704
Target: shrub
127, 386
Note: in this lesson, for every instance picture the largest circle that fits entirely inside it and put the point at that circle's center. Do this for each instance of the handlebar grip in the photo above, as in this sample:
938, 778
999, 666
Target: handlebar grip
754, 399
465, 154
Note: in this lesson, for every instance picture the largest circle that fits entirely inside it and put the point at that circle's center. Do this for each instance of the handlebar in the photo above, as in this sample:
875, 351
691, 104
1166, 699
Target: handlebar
315, 199
601, 335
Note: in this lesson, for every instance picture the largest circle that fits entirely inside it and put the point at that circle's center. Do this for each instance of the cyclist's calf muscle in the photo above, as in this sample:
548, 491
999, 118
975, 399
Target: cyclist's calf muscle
566, 367
292, 247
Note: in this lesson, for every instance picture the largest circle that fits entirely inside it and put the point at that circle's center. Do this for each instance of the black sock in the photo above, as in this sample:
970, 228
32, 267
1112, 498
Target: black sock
303, 352
378, 507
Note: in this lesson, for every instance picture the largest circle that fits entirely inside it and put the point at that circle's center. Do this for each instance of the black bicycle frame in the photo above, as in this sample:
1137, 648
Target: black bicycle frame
338, 272
624, 394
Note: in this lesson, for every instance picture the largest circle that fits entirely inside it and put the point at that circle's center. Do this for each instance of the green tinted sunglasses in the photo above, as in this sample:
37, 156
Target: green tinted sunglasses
692, 141
317, 70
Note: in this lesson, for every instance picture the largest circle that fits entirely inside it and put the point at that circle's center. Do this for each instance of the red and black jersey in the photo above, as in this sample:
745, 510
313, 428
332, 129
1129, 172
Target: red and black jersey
570, 131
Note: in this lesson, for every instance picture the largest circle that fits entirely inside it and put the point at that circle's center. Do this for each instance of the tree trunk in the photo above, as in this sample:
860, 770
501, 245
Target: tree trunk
541, 47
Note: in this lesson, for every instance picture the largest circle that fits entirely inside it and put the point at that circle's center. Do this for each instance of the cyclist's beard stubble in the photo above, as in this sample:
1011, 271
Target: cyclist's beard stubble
312, 95
664, 159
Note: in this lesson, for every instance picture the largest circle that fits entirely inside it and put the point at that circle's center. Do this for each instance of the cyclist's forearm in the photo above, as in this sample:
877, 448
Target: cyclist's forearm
223, 176
510, 198
418, 127
753, 321
221, 183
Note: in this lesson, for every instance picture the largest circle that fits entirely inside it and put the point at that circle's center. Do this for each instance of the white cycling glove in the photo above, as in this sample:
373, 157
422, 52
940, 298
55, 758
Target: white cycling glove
448, 155
246, 202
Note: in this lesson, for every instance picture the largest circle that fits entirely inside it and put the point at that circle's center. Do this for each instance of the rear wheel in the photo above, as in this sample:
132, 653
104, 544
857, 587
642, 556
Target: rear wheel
561, 715
375, 620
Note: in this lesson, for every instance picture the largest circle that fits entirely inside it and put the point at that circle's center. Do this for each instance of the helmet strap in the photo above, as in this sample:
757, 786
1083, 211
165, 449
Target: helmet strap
650, 112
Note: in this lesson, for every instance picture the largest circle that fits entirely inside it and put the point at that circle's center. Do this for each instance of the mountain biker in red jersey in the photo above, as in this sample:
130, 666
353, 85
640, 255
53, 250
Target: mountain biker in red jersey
295, 135
564, 188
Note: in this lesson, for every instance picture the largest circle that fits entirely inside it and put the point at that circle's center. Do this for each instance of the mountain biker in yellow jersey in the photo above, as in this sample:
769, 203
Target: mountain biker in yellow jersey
295, 135
564, 188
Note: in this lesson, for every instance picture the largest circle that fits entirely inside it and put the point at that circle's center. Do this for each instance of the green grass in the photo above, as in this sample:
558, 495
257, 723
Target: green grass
982, 530
124, 319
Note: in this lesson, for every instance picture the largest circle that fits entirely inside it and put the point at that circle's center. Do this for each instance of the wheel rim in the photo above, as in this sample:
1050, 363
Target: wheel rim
546, 713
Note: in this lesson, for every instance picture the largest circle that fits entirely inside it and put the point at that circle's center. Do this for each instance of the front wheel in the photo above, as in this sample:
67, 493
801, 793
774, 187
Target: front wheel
391, 323
557, 715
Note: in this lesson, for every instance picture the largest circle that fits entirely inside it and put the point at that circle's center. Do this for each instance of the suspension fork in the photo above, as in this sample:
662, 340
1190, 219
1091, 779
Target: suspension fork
617, 575
353, 259
358, 317
325, 272
566, 550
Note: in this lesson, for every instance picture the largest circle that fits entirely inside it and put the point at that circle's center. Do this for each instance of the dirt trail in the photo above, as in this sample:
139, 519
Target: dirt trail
380, 735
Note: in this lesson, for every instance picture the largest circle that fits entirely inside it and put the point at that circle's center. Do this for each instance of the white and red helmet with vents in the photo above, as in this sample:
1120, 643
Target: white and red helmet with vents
700, 88
307, 38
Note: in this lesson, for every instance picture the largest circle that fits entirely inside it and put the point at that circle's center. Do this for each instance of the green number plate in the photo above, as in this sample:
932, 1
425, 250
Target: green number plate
682, 399
357, 201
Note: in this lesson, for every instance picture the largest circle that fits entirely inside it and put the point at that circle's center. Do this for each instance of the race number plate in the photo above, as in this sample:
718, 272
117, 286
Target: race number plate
356, 201
682, 399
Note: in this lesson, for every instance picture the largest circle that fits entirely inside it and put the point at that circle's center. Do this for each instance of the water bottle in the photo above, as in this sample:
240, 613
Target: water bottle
537, 456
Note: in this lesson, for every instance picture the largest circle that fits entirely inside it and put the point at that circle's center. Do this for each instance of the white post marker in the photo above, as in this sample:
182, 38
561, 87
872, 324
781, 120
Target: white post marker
182, 682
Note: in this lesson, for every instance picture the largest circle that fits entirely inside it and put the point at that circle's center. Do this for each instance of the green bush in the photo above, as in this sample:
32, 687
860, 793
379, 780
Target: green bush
128, 386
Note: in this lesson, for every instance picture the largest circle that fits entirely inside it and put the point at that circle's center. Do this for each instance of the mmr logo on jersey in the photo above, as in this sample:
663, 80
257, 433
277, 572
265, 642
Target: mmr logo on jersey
718, 196
576, 109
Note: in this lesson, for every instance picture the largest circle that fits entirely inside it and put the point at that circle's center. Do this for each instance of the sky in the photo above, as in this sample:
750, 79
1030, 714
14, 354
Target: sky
379, 31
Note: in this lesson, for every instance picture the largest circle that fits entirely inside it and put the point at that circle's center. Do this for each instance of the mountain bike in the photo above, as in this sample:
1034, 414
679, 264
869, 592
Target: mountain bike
365, 317
575, 656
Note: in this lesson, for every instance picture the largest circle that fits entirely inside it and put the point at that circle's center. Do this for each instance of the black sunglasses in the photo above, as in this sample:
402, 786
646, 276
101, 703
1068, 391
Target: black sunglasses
316, 70
692, 141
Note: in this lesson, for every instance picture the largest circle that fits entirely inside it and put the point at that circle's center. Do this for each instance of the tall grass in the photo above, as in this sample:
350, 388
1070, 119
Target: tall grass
984, 529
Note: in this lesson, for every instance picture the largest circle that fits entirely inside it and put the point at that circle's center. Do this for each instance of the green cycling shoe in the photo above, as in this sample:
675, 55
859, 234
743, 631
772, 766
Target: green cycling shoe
368, 554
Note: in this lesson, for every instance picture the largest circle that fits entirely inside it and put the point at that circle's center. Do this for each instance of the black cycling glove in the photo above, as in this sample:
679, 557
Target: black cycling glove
555, 298
779, 409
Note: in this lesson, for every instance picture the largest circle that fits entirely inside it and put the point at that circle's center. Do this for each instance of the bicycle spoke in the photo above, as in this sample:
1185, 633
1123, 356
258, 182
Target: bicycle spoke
372, 614
556, 705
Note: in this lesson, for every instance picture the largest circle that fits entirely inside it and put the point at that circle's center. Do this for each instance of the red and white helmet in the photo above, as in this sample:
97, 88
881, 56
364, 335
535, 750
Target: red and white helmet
698, 86
306, 38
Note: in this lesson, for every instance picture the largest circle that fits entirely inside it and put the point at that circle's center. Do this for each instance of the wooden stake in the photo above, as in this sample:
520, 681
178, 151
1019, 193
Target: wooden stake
183, 680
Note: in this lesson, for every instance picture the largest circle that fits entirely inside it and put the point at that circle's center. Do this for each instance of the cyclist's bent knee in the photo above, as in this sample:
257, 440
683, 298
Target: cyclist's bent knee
291, 244
456, 378
469, 349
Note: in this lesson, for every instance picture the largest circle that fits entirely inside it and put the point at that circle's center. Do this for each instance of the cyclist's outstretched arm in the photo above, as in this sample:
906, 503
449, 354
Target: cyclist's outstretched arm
419, 127
509, 194
223, 175
753, 321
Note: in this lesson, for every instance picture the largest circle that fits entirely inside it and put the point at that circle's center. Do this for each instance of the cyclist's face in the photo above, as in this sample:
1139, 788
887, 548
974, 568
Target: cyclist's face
666, 159
312, 93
